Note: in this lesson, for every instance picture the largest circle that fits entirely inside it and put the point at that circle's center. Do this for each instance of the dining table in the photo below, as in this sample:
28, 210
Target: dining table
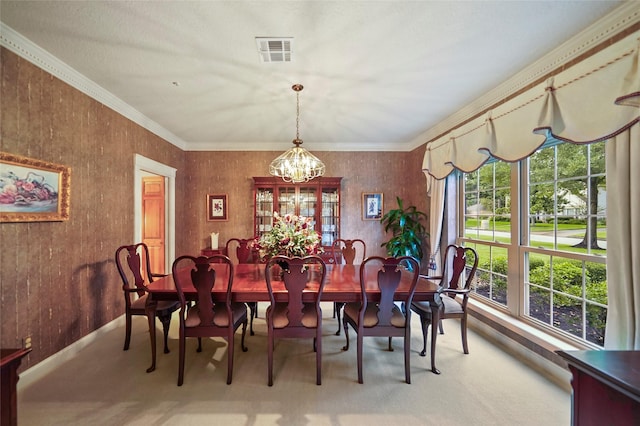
342, 284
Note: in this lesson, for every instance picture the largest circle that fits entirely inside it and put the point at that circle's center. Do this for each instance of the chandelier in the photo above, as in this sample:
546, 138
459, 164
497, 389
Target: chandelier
297, 164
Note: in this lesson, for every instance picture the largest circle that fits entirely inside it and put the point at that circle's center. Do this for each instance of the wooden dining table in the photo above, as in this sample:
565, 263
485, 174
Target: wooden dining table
342, 284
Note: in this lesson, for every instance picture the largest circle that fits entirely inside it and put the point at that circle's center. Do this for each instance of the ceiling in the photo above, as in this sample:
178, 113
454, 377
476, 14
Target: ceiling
377, 75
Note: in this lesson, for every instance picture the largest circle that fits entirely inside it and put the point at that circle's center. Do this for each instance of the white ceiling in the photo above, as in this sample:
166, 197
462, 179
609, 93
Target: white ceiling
377, 74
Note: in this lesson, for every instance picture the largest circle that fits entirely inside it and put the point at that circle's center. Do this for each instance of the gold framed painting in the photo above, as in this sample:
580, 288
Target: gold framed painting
33, 190
217, 207
372, 207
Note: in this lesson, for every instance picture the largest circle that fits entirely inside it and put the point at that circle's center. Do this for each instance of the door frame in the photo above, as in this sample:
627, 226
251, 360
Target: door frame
141, 165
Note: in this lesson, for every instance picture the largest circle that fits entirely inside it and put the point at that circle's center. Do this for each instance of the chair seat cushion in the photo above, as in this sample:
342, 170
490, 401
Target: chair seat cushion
371, 314
163, 305
449, 306
220, 318
281, 320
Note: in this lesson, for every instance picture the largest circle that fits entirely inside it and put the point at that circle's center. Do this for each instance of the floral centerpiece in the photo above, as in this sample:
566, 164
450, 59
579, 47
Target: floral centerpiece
290, 236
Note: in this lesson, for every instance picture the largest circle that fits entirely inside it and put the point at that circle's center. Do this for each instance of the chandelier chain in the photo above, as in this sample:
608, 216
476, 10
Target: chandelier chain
297, 115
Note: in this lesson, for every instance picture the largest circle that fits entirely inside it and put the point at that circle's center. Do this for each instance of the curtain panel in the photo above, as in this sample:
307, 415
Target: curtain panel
592, 101
436, 192
623, 241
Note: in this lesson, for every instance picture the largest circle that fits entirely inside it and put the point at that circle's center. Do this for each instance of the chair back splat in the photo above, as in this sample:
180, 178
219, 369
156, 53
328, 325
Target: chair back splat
349, 252
295, 303
202, 276
244, 252
134, 268
377, 314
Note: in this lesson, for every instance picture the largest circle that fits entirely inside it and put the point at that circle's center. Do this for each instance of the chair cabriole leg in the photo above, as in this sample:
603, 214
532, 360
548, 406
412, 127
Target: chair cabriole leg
244, 333
151, 317
165, 319
231, 344
127, 335
181, 355
359, 351
425, 331
463, 326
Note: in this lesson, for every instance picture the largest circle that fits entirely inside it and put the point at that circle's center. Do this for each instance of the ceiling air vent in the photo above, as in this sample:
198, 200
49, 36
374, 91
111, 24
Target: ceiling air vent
272, 49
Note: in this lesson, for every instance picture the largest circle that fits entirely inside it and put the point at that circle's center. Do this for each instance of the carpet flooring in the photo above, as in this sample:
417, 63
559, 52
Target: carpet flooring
100, 384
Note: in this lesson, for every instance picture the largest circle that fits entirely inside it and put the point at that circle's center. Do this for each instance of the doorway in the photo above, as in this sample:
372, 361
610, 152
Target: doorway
143, 169
153, 217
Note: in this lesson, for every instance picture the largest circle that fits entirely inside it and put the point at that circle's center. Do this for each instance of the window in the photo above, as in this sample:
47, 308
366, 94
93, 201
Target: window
554, 273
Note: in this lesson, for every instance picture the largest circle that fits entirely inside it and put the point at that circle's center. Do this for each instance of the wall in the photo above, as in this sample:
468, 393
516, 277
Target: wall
232, 172
58, 280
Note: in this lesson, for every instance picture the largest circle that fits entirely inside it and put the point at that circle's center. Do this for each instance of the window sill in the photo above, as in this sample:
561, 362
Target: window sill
533, 346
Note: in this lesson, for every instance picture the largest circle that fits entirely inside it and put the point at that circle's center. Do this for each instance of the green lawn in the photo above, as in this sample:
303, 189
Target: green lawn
539, 228
483, 251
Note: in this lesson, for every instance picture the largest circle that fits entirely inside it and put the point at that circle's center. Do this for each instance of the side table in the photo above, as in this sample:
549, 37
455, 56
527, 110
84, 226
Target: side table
210, 252
9, 362
606, 387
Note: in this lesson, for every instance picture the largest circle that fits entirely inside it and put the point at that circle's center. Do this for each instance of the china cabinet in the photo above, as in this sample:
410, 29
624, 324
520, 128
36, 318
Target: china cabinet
318, 199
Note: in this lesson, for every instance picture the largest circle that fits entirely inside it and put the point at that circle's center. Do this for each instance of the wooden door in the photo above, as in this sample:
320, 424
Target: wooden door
153, 221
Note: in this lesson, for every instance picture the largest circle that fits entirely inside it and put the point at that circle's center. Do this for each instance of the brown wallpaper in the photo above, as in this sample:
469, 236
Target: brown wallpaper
231, 173
58, 281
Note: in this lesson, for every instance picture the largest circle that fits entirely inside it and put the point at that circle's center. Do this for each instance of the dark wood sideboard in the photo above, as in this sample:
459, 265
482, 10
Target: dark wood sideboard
606, 387
9, 362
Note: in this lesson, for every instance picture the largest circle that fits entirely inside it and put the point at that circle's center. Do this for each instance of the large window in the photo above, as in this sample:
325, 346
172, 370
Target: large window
539, 228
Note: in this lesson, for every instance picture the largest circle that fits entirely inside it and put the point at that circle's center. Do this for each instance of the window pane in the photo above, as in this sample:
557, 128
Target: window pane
572, 160
596, 321
491, 276
539, 271
542, 166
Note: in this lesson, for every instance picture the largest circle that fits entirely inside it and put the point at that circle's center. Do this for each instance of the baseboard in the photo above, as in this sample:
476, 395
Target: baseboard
44, 367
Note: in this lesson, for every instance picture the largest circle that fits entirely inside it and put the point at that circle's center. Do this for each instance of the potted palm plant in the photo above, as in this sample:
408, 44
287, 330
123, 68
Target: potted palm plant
407, 229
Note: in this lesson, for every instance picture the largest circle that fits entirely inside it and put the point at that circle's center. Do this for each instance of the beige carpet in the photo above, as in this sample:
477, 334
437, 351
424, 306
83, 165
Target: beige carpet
103, 385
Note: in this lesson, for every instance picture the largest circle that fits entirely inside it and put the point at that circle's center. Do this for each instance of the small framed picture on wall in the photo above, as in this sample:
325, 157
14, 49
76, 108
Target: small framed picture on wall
217, 208
372, 207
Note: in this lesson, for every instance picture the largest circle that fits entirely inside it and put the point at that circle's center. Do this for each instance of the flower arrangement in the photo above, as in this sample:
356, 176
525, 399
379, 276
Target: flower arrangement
290, 236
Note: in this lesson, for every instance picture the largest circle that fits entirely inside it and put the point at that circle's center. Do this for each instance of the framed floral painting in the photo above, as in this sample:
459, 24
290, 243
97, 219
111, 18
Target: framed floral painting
33, 190
217, 207
372, 206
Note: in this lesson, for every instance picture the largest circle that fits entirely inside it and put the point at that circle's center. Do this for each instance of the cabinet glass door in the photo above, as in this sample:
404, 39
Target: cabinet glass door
330, 217
264, 210
286, 200
307, 204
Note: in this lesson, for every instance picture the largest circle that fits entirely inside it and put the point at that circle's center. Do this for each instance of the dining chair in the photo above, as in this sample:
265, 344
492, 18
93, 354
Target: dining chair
207, 318
134, 267
377, 314
243, 251
288, 315
349, 252
454, 288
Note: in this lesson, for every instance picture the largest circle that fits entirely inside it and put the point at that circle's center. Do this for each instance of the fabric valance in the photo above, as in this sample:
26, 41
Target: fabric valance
591, 101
